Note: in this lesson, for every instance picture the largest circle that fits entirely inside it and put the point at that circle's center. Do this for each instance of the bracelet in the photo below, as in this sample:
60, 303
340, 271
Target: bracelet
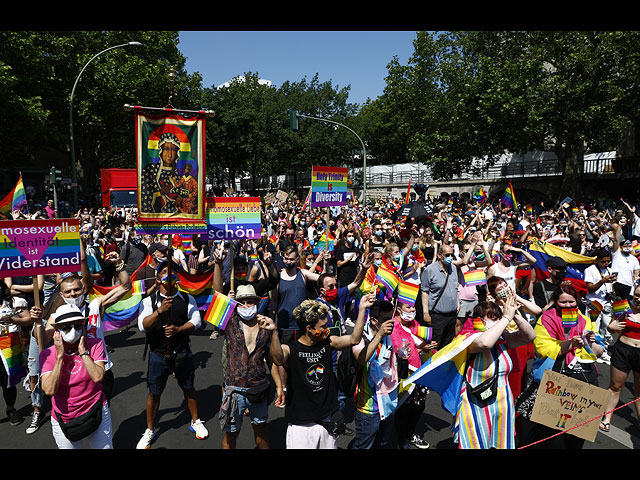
83, 354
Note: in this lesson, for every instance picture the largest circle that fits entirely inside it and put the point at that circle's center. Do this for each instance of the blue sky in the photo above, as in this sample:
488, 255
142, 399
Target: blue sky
355, 58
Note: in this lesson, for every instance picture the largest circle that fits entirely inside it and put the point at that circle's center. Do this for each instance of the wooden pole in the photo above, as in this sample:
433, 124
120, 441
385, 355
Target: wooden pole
231, 264
169, 349
37, 331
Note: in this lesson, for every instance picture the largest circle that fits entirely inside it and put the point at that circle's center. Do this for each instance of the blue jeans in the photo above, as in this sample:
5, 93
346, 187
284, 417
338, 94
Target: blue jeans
371, 432
33, 365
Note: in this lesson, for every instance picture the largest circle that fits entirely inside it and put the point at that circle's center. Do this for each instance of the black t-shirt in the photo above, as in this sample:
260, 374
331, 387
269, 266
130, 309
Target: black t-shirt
347, 272
539, 291
312, 392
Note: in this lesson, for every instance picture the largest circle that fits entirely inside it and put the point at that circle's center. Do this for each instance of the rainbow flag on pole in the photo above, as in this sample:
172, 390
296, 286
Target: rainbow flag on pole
138, 287
569, 317
407, 292
475, 277
509, 198
621, 307
306, 200
15, 199
220, 310
595, 307
199, 286
388, 278
425, 333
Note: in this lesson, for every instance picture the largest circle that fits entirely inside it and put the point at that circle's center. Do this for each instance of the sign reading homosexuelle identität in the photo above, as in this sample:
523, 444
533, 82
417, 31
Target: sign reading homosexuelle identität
36, 247
328, 187
231, 218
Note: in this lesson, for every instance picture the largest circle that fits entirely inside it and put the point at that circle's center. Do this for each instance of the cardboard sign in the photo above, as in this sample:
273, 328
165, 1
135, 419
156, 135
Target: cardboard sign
282, 196
36, 247
233, 218
328, 187
563, 402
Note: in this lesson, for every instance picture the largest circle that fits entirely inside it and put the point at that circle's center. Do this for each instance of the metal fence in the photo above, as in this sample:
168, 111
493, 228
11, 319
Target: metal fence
596, 164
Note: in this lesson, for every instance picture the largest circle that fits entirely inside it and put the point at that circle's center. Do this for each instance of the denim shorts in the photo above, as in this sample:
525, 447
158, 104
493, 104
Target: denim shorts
159, 371
258, 413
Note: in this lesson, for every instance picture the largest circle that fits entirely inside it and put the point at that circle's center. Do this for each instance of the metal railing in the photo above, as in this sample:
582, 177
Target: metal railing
600, 166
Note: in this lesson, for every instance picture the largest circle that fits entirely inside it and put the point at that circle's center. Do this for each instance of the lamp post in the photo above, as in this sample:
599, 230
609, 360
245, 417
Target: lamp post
295, 114
74, 178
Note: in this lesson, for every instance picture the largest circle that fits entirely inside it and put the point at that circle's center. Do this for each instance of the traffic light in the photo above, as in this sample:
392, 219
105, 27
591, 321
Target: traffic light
293, 120
54, 175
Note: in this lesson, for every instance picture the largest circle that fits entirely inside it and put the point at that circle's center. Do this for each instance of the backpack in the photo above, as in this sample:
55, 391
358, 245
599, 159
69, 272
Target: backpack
347, 372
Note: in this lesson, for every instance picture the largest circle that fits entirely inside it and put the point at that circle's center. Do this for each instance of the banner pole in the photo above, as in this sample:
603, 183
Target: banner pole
37, 331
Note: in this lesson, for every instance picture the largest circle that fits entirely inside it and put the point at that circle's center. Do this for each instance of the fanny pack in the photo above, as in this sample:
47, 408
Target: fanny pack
84, 425
335, 426
256, 393
487, 390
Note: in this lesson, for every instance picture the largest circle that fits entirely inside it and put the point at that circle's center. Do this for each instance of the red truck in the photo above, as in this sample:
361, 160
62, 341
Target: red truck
119, 187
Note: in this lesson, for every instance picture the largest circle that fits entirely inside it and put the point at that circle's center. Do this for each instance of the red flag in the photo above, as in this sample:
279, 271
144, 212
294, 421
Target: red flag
408, 192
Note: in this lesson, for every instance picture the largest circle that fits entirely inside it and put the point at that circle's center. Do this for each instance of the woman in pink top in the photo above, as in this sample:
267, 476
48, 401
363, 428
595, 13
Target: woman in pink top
72, 372
406, 331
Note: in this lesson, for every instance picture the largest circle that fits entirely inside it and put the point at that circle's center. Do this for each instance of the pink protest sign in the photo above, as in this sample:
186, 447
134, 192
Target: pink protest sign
35, 247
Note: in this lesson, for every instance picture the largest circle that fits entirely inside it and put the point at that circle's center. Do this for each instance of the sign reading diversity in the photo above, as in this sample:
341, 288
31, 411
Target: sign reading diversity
328, 186
36, 247
231, 218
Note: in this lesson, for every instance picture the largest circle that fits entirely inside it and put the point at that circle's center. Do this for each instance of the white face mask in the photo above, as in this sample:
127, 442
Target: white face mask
489, 323
77, 301
407, 316
247, 312
73, 335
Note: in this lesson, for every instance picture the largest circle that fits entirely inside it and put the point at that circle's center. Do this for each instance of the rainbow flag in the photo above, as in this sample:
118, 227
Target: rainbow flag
475, 277
199, 286
11, 354
529, 209
407, 292
323, 245
636, 248
509, 198
253, 257
595, 307
187, 240
444, 371
425, 333
15, 199
138, 287
569, 317
621, 307
126, 310
388, 278
306, 200
220, 310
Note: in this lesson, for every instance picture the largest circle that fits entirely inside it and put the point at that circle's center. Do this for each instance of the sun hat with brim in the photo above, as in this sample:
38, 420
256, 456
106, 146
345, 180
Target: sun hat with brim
246, 292
67, 314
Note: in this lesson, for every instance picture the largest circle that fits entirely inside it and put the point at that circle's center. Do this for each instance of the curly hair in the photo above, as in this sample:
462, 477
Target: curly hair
310, 312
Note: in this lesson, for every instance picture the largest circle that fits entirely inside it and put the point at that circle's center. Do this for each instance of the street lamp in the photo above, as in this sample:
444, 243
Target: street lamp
74, 179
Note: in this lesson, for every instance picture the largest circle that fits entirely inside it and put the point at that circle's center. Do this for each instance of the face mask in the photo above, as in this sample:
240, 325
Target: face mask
289, 266
447, 260
247, 313
377, 263
174, 279
397, 258
407, 316
165, 243
73, 335
626, 251
488, 324
240, 276
320, 335
414, 248
331, 294
77, 301
507, 257
309, 264
379, 233
502, 294
350, 239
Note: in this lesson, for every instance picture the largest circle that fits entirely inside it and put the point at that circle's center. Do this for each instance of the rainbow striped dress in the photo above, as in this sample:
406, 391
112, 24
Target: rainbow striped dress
480, 425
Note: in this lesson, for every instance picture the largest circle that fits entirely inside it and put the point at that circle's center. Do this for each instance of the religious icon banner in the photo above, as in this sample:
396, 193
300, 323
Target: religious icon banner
170, 153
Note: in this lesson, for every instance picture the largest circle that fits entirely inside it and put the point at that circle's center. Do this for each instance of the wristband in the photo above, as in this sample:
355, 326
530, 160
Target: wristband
83, 354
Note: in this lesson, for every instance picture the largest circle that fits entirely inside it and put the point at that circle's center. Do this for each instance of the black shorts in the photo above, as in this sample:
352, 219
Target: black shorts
625, 357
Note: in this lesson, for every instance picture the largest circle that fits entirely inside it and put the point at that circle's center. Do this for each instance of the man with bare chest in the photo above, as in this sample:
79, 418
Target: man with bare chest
246, 383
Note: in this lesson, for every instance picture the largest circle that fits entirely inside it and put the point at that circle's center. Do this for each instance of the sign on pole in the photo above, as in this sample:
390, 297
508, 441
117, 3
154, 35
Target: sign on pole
328, 186
233, 218
39, 247
563, 402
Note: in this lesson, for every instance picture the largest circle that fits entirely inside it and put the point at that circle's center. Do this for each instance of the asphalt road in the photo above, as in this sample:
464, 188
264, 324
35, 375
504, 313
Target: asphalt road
130, 392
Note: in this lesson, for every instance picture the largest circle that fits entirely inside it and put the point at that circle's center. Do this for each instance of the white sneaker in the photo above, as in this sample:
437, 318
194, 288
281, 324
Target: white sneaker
604, 358
35, 423
349, 323
199, 429
147, 438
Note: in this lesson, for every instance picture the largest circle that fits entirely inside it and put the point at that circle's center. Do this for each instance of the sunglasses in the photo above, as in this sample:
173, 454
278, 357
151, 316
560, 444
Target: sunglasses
67, 328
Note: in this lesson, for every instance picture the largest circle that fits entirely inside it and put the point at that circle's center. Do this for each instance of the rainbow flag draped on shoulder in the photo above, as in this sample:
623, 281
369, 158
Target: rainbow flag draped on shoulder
125, 310
15, 199
444, 371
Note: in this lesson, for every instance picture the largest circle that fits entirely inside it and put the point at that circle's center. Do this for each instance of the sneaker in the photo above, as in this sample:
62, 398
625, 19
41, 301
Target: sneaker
147, 439
14, 417
349, 323
604, 358
418, 442
199, 429
36, 419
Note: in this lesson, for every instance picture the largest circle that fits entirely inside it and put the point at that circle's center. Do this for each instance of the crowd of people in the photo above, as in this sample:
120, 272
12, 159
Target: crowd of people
310, 301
